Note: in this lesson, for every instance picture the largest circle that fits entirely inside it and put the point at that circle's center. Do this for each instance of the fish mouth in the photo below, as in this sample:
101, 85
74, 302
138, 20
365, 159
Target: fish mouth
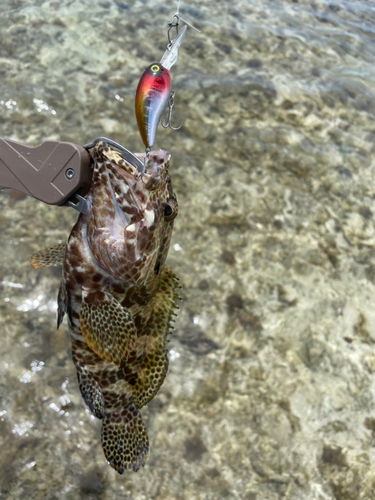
156, 164
157, 157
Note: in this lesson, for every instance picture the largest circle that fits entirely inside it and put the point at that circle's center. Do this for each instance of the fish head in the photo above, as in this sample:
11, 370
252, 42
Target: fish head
130, 215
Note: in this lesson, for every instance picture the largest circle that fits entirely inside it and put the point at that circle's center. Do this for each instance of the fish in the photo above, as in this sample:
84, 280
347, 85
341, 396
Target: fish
119, 296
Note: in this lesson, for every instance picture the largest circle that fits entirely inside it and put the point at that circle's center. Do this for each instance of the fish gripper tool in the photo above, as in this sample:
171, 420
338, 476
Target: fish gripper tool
56, 172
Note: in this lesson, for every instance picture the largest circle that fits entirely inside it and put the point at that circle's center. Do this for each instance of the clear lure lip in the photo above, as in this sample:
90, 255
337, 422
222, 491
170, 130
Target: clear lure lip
171, 54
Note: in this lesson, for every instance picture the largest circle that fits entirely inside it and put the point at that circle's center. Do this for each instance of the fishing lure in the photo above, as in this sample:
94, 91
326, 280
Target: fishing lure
153, 91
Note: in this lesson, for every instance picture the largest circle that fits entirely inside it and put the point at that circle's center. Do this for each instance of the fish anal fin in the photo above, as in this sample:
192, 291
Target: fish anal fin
107, 327
124, 440
49, 257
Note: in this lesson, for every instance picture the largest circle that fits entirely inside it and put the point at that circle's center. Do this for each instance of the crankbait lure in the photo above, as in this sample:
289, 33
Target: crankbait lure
153, 91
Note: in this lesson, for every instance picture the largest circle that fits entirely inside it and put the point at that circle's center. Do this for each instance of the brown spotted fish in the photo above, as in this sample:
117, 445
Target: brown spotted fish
119, 296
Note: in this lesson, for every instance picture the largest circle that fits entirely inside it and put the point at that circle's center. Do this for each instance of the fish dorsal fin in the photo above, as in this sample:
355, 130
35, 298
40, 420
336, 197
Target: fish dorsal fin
49, 257
107, 327
146, 374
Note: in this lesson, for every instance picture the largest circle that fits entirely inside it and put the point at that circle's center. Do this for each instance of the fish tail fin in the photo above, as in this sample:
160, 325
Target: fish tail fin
124, 440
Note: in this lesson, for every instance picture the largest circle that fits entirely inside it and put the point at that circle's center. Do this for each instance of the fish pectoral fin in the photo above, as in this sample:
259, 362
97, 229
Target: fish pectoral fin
107, 327
124, 440
49, 257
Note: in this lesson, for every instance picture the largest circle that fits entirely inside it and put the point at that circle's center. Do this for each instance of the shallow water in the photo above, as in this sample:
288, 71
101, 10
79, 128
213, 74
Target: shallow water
270, 392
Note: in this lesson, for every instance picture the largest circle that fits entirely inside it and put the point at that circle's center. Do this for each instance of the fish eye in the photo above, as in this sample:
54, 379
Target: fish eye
170, 210
155, 68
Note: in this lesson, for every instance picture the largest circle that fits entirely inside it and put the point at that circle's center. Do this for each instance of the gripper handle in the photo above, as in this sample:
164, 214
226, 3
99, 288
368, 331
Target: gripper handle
51, 172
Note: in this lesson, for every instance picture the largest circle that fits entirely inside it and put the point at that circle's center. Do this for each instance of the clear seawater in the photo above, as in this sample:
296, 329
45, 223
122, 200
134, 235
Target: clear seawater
270, 393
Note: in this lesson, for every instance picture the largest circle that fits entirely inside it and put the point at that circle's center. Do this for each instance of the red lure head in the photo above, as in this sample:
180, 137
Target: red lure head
150, 100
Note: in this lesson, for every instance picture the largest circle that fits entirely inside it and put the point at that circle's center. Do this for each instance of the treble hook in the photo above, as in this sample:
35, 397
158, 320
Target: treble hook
168, 123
